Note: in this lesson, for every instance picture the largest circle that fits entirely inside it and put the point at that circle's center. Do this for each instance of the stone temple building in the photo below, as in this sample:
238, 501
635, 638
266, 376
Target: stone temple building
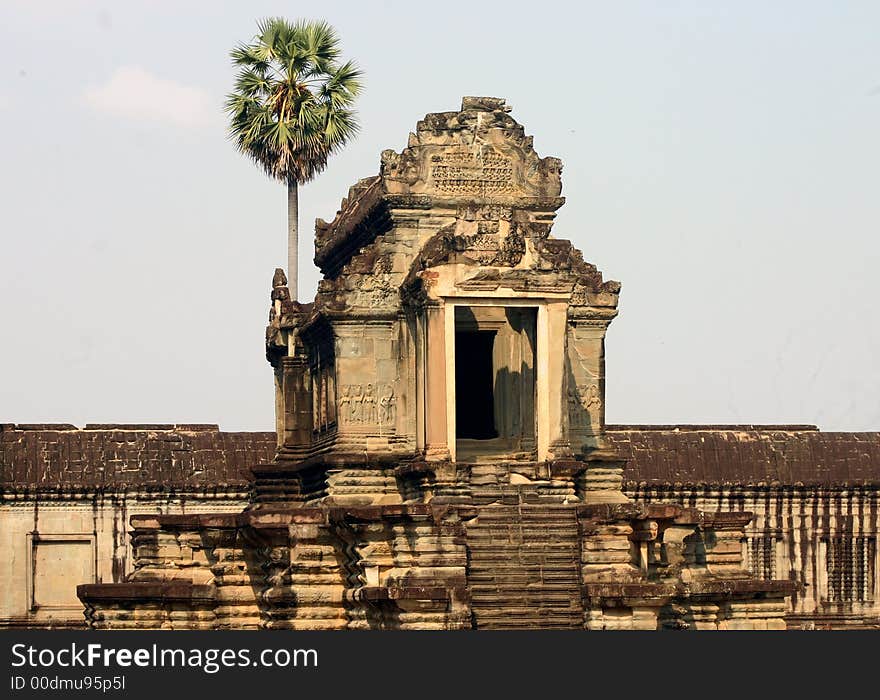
441, 458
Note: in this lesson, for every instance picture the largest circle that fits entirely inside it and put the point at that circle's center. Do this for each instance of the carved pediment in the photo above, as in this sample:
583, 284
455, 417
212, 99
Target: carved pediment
479, 153
468, 190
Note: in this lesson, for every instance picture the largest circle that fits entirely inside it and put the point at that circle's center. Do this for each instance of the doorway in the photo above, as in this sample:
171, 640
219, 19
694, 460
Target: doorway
474, 385
495, 382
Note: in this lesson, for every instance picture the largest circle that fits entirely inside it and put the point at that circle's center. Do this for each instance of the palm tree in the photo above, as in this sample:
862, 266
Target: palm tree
292, 107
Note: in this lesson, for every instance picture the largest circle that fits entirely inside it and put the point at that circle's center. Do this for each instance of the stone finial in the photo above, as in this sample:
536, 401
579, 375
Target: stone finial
280, 292
484, 104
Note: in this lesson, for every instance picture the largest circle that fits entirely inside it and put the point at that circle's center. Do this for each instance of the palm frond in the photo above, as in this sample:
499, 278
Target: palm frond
340, 126
252, 83
290, 108
341, 86
320, 43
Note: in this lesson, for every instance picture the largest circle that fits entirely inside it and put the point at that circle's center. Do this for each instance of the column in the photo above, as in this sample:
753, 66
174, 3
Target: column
436, 441
297, 402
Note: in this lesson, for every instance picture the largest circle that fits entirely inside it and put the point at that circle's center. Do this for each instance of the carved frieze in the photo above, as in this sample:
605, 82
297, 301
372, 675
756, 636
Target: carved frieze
482, 172
488, 212
368, 404
375, 291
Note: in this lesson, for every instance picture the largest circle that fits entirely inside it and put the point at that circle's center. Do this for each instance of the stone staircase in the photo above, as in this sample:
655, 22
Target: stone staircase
523, 567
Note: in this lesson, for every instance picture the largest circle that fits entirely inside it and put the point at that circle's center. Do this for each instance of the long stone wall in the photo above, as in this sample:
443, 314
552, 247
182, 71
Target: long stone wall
51, 541
119, 455
530, 564
822, 538
67, 496
814, 497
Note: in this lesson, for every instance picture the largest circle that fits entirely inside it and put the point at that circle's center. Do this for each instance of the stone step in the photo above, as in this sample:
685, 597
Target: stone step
527, 515
529, 573
527, 548
530, 620
521, 581
524, 567
545, 594
507, 567
536, 583
522, 560
530, 610
518, 538
511, 612
483, 540
536, 527
517, 585
544, 530
547, 531
519, 562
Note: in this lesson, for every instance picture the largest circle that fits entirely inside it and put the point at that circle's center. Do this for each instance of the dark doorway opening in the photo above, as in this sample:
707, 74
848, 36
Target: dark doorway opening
474, 382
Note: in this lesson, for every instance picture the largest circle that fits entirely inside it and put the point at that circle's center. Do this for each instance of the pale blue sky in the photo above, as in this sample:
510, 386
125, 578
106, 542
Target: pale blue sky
721, 161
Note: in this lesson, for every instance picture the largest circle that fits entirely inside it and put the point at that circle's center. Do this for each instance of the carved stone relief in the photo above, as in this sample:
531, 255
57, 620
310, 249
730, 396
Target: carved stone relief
366, 404
481, 172
387, 408
488, 212
494, 242
584, 405
375, 291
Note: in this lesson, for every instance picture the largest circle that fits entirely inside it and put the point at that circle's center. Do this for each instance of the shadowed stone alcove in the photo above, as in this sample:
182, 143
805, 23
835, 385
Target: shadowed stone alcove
495, 382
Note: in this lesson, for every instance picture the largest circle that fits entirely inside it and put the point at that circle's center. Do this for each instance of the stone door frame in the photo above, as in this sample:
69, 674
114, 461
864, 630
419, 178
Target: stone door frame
549, 364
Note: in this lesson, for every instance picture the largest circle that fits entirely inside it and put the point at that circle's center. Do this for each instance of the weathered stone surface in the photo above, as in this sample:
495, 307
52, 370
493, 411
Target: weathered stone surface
440, 460
128, 455
747, 455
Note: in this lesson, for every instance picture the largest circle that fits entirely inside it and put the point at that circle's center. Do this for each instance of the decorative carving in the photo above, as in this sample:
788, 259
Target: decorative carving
357, 399
480, 248
375, 291
368, 404
584, 405
484, 104
383, 265
482, 172
592, 403
414, 201
481, 241
488, 212
850, 569
513, 247
387, 409
579, 295
346, 405
548, 173
574, 413
399, 166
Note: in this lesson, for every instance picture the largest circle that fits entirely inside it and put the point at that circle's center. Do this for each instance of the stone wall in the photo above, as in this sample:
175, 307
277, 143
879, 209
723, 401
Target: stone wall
120, 455
526, 565
67, 495
814, 497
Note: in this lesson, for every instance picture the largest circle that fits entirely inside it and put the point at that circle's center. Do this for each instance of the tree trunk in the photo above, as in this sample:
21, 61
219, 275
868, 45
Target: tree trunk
293, 238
